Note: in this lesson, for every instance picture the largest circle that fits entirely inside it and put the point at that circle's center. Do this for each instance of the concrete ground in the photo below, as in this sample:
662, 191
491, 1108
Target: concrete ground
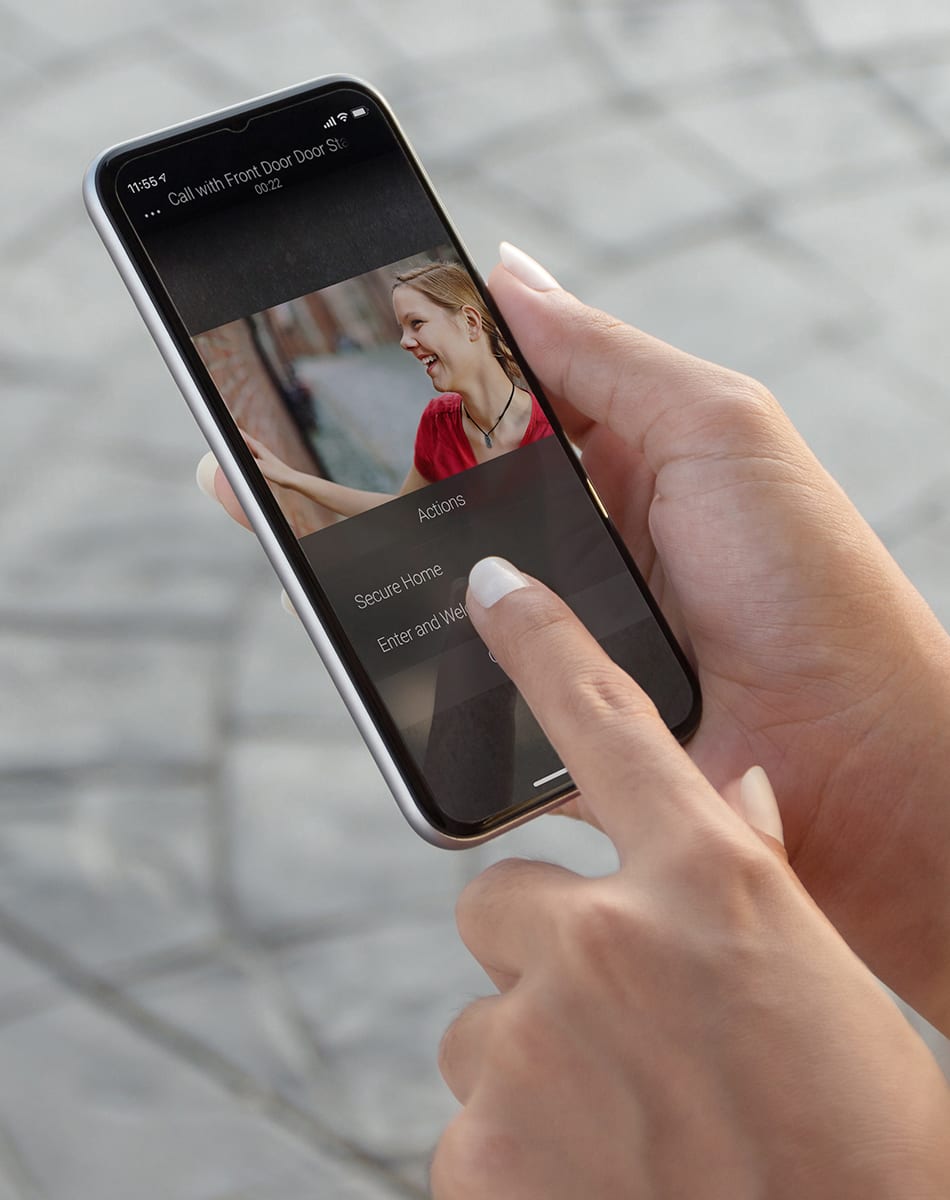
225, 962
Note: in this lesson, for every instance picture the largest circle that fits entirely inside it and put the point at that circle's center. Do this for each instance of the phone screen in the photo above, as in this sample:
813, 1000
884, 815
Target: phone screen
338, 329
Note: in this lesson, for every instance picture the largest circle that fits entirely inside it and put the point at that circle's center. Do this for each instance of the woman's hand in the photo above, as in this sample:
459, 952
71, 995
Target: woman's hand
274, 469
816, 657
690, 1026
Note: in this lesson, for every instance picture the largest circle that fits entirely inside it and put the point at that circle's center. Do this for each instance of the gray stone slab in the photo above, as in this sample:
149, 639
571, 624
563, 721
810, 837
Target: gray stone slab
561, 87
298, 41
347, 1027
927, 87
66, 123
85, 702
281, 686
318, 838
66, 29
486, 216
111, 539
427, 33
68, 290
866, 425
738, 300
20, 982
656, 45
107, 1116
612, 183
864, 24
109, 871
893, 243
806, 132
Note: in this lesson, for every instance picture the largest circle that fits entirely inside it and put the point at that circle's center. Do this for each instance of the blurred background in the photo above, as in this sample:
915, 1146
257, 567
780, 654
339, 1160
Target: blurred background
225, 961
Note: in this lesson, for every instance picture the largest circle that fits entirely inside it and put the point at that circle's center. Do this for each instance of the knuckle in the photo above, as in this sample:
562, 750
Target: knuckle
448, 1049
463, 1031
603, 693
598, 925
477, 898
474, 1159
742, 411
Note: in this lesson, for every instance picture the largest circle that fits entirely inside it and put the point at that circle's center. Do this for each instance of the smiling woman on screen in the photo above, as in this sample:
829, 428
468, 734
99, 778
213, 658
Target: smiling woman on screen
481, 412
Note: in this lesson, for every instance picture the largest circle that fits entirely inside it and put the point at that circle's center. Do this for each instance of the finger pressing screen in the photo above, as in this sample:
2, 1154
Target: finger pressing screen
634, 776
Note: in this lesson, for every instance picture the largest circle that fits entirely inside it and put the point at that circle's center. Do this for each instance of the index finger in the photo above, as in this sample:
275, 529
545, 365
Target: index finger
634, 776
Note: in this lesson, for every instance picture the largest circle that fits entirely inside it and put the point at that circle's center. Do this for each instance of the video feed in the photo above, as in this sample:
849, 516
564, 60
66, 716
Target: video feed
372, 388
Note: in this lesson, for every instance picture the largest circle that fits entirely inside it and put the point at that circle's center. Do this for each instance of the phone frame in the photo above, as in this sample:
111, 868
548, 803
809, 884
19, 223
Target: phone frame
404, 779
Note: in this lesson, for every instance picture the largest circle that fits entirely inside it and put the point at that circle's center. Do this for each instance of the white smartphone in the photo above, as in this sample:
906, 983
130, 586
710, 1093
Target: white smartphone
382, 433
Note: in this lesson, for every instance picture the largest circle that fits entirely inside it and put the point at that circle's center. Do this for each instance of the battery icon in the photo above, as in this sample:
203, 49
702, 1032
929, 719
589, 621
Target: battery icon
358, 112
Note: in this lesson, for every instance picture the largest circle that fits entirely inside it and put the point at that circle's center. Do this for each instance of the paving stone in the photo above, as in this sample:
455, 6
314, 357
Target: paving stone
84, 327
739, 300
613, 183
108, 870
316, 816
893, 243
430, 32
67, 30
111, 538
561, 87
862, 24
84, 702
666, 45
927, 87
297, 42
131, 1120
55, 136
807, 131
355, 1033
485, 216
281, 685
20, 979
866, 425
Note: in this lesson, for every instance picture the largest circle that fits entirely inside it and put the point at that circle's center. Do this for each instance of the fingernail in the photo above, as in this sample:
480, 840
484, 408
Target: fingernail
204, 476
286, 603
758, 803
527, 269
493, 578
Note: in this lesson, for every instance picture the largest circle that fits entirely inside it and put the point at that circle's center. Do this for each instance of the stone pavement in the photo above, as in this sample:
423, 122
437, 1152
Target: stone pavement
225, 962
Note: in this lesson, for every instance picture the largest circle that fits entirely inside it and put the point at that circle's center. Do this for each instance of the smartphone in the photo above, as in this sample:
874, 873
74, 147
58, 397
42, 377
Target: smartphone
368, 406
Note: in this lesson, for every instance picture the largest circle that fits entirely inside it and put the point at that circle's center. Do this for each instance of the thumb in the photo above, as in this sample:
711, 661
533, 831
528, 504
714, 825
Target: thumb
661, 401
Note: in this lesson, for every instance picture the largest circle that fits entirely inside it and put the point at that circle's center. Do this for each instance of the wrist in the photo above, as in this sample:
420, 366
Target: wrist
876, 855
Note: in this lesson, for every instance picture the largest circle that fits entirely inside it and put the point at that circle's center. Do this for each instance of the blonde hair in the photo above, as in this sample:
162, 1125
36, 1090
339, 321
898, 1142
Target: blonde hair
450, 286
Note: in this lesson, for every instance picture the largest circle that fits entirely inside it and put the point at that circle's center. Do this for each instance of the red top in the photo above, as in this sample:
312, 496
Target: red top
442, 446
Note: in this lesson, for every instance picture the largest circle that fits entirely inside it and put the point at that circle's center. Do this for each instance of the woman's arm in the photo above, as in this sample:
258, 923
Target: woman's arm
346, 501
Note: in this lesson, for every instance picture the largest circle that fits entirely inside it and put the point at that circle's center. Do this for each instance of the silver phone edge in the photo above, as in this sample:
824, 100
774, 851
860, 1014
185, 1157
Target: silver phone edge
180, 372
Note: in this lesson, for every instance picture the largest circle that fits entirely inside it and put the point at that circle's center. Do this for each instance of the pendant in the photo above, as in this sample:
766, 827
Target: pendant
488, 441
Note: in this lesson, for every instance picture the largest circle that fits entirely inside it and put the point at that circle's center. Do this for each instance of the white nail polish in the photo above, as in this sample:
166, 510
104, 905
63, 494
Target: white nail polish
492, 579
204, 476
527, 269
759, 806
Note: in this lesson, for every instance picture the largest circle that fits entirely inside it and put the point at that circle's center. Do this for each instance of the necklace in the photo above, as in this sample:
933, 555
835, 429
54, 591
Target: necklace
486, 433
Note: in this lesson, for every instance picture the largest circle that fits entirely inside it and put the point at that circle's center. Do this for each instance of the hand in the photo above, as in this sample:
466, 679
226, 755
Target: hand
816, 657
212, 481
274, 469
690, 1026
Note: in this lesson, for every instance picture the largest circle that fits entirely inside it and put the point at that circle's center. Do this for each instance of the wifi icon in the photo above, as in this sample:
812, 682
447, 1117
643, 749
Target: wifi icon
342, 117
